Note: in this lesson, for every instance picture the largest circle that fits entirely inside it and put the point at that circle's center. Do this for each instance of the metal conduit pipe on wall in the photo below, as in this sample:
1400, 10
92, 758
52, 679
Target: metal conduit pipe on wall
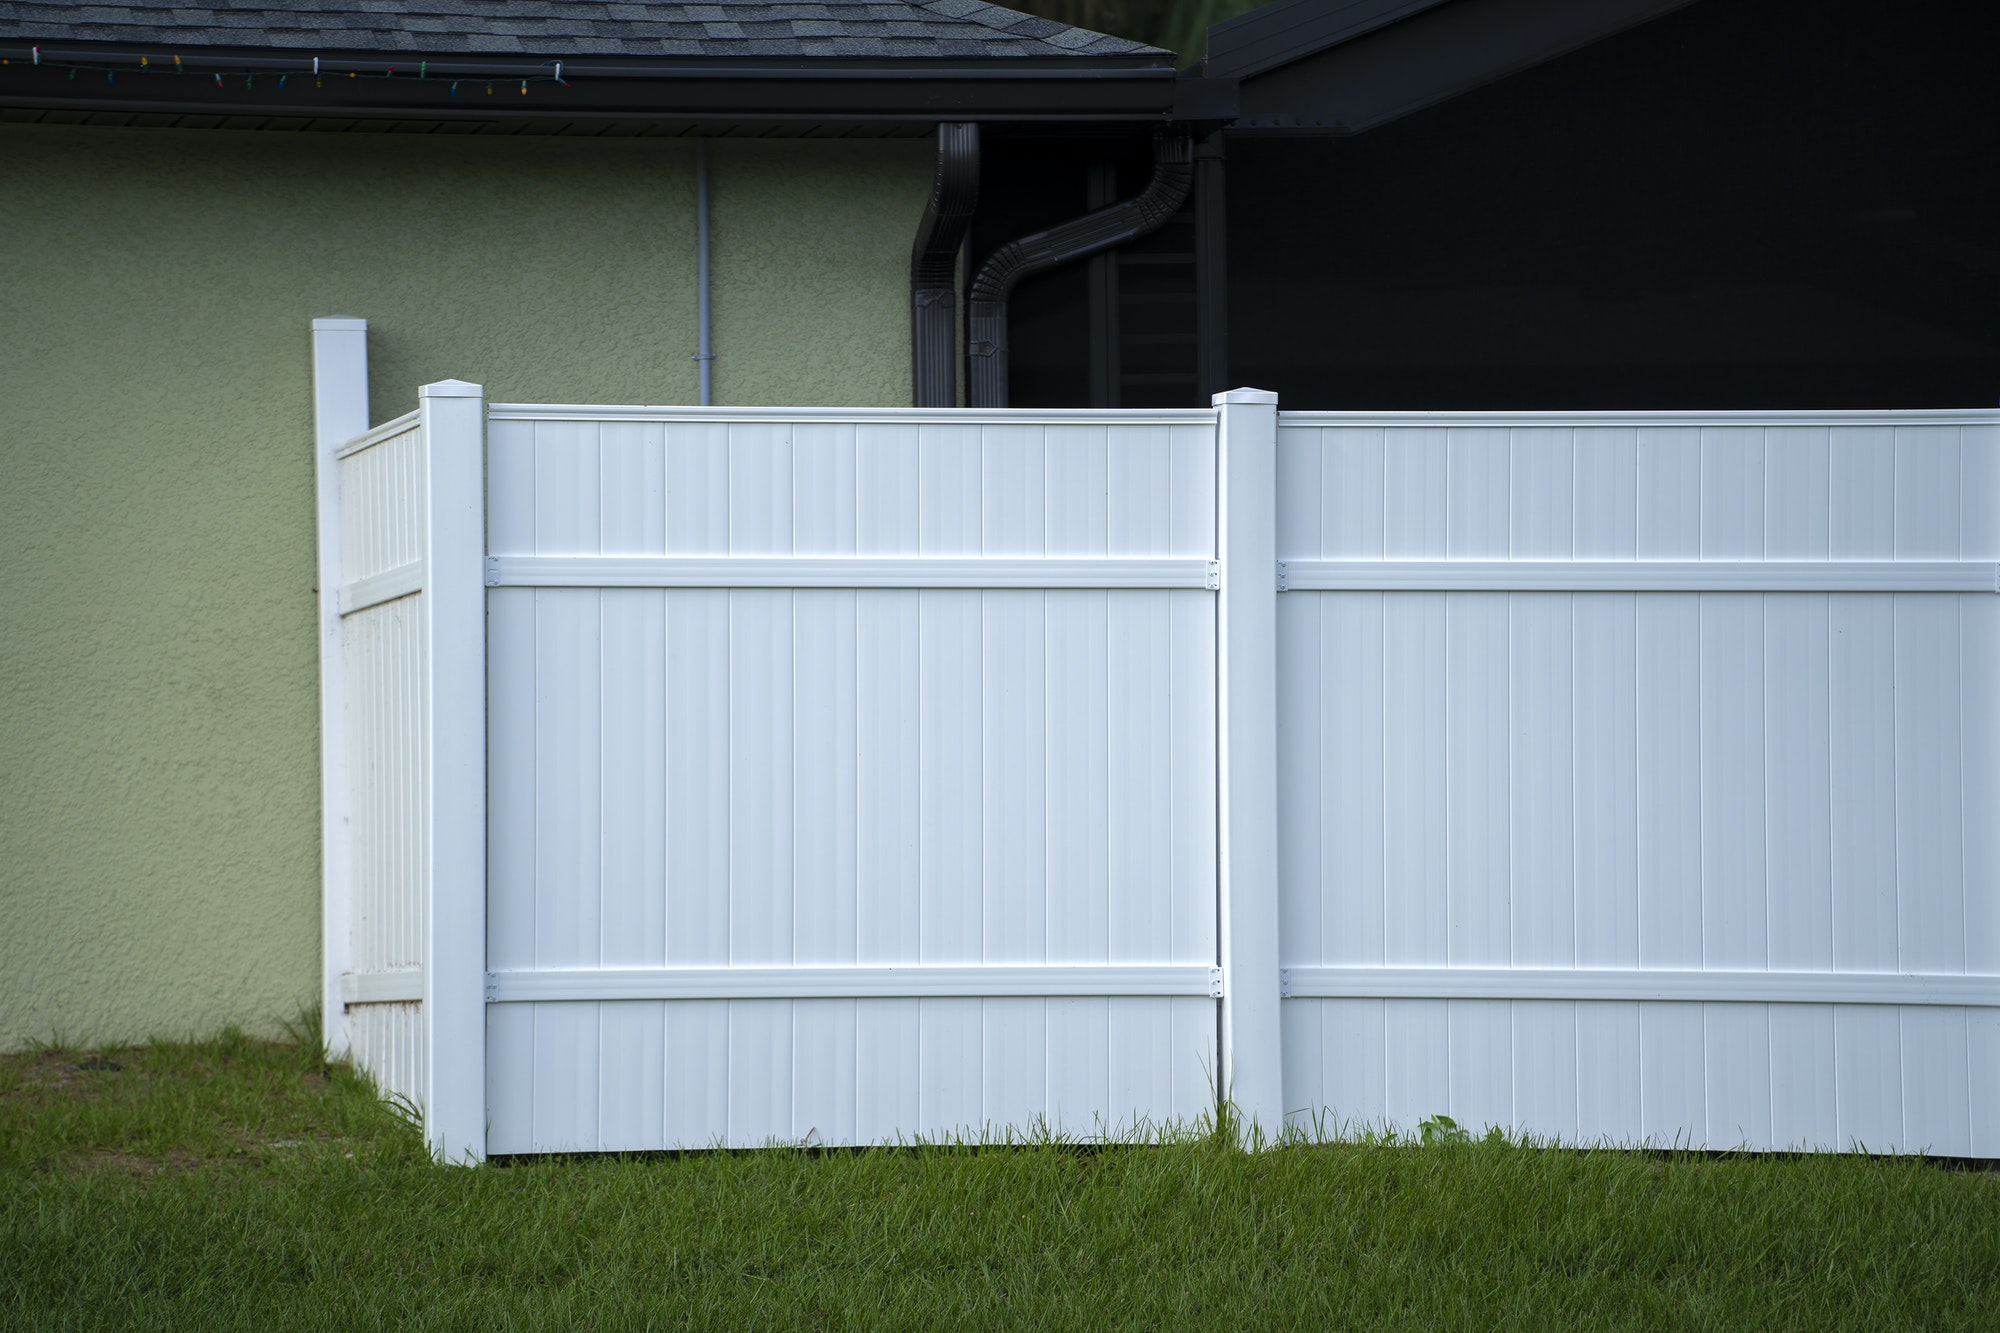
1079, 238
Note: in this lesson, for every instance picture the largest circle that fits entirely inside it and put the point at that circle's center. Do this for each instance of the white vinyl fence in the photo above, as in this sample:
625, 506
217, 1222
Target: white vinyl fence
731, 776
402, 710
849, 778
1639, 776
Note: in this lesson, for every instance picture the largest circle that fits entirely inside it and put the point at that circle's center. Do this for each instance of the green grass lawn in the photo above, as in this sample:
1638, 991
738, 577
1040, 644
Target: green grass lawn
237, 1182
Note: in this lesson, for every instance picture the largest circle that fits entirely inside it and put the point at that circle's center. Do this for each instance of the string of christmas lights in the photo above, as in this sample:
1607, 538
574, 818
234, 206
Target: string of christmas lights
319, 71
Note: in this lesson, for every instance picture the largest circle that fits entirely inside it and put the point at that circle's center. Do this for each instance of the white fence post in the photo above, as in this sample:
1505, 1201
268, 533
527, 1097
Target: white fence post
455, 765
1247, 677
340, 412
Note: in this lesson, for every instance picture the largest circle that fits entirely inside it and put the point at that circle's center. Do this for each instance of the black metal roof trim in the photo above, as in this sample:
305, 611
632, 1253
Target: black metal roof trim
261, 84
1205, 101
152, 62
1288, 30
964, 29
493, 126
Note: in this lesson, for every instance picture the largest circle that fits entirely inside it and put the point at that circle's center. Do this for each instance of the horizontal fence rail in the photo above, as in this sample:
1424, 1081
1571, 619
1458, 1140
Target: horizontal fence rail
843, 572
566, 415
368, 439
807, 982
1638, 576
388, 586
400, 987
1916, 418
1537, 983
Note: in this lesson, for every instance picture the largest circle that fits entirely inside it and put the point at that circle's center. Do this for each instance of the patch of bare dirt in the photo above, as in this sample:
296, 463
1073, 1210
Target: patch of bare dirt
132, 1164
41, 1077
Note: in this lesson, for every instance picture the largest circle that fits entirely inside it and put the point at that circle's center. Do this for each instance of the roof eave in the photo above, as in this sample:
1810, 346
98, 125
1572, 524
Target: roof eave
406, 85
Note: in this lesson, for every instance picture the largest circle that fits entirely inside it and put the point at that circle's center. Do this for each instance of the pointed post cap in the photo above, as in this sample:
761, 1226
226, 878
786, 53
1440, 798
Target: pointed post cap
1234, 396
452, 389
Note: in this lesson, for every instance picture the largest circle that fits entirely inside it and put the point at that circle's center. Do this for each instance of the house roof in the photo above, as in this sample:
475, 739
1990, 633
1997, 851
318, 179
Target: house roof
636, 66
645, 29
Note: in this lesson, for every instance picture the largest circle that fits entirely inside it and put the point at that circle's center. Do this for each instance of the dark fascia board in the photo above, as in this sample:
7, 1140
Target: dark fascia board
1204, 102
1079, 88
1425, 59
1288, 30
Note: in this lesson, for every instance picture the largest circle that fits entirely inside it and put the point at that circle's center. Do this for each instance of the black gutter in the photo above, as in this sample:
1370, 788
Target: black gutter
1079, 238
934, 266
413, 85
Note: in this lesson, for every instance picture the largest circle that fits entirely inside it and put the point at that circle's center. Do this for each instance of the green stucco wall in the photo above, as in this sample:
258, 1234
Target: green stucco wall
159, 804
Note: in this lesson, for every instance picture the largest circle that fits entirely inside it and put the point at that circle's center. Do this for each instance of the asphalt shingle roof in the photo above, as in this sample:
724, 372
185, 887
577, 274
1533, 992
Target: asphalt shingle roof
646, 29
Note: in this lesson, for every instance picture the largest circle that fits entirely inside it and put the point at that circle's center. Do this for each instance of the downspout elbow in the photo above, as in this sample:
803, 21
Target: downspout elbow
934, 267
1079, 238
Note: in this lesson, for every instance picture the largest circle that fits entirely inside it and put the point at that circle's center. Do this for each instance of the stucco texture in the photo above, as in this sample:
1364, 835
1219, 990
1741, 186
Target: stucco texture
159, 804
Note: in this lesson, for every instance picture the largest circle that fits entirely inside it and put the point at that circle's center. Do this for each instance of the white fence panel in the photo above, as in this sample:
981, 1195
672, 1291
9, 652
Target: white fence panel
385, 649
401, 605
1513, 820
843, 776
380, 476
700, 795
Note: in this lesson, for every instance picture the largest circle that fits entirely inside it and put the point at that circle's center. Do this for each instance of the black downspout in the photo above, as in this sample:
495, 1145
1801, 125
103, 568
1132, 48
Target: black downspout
1100, 190
1079, 238
934, 267
1211, 265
